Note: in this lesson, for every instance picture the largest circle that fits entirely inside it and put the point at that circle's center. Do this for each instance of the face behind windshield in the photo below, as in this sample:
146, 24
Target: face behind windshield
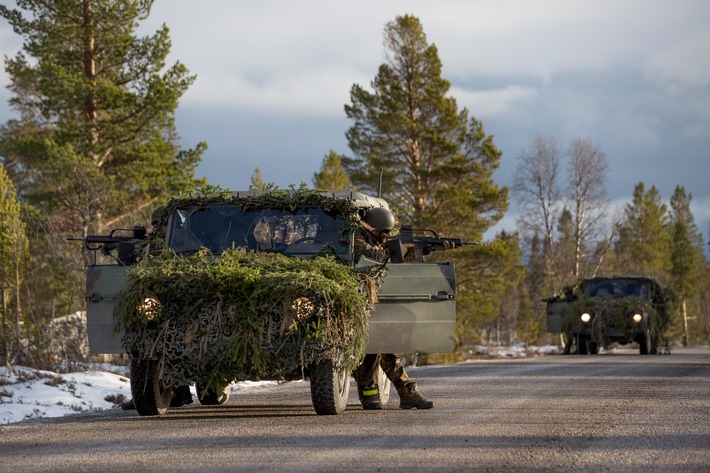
305, 232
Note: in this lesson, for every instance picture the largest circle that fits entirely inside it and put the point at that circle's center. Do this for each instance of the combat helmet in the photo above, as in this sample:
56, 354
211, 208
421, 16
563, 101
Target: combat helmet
380, 219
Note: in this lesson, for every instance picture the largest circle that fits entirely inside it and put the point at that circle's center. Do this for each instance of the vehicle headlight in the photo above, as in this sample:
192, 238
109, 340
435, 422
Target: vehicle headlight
150, 308
637, 318
586, 317
302, 308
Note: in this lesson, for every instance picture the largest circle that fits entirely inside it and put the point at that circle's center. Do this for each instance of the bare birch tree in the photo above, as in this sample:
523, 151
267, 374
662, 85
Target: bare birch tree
537, 188
588, 169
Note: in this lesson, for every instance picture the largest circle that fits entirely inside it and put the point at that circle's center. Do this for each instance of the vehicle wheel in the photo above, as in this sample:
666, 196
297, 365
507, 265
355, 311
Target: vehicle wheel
582, 345
330, 388
151, 395
653, 349
645, 343
593, 348
566, 343
212, 397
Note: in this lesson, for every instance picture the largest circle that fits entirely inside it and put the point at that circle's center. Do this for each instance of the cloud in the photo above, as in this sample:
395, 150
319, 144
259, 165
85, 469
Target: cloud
493, 102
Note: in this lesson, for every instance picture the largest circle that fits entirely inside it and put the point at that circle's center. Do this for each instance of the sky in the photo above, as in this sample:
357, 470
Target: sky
273, 77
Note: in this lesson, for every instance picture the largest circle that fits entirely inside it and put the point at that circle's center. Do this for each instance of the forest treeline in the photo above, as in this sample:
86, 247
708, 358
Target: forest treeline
94, 147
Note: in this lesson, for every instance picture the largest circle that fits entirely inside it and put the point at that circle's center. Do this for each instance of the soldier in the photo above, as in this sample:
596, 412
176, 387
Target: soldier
376, 225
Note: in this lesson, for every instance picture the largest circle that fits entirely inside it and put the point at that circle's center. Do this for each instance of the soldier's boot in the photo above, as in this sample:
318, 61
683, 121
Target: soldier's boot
412, 399
371, 400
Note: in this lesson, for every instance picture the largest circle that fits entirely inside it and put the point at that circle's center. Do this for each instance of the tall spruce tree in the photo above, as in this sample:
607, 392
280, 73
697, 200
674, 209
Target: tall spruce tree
94, 144
437, 164
332, 176
257, 180
688, 262
643, 241
95, 141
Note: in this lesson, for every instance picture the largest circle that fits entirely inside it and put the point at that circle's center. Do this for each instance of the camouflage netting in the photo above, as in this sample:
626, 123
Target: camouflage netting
246, 315
616, 310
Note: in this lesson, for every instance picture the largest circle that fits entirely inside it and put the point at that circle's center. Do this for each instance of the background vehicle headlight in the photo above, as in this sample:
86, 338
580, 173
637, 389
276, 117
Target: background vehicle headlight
150, 308
637, 317
585, 317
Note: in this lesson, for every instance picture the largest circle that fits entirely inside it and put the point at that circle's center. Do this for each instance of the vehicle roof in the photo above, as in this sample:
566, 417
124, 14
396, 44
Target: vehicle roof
609, 278
361, 200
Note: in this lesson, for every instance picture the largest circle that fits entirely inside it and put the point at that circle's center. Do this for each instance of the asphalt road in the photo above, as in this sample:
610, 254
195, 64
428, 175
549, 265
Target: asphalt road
614, 412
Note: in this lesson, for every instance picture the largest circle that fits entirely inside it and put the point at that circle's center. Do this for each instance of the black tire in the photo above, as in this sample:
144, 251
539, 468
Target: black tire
653, 349
582, 345
566, 341
593, 348
330, 388
150, 395
645, 343
212, 397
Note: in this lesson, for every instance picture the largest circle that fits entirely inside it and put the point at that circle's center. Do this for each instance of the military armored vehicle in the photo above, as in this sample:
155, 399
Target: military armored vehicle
605, 310
263, 285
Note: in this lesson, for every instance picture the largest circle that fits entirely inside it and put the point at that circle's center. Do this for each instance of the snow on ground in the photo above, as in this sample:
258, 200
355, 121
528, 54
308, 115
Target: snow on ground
27, 393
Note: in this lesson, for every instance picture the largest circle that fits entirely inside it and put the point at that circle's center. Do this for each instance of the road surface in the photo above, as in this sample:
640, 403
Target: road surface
618, 412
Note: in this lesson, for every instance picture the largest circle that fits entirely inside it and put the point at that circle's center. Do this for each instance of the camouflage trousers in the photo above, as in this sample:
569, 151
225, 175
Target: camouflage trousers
366, 375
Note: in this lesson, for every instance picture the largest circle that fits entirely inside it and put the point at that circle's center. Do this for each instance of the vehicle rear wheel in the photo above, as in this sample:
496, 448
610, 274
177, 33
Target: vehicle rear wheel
330, 387
212, 397
151, 395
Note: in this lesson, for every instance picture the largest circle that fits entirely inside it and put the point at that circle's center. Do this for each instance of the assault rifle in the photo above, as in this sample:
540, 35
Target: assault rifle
422, 245
124, 243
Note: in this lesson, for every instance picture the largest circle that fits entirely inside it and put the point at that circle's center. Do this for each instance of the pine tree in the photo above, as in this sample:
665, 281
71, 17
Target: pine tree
95, 141
94, 144
332, 176
257, 181
437, 164
687, 258
643, 243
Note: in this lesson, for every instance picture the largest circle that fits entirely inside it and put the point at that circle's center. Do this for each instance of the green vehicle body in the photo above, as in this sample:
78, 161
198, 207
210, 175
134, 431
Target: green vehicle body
604, 310
415, 309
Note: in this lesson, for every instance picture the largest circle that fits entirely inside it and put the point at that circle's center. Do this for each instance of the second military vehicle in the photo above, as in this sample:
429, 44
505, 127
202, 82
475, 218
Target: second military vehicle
604, 310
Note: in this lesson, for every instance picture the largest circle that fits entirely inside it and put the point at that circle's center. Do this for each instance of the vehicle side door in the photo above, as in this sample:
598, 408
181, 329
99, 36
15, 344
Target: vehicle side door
416, 309
103, 285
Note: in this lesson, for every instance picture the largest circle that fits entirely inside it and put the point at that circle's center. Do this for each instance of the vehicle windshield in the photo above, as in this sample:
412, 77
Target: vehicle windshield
619, 288
305, 232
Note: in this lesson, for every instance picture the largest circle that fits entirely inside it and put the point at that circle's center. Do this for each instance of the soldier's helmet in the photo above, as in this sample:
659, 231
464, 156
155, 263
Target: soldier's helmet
380, 219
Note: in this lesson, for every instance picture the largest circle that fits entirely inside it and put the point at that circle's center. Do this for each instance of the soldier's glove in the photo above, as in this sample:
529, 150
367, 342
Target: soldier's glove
448, 245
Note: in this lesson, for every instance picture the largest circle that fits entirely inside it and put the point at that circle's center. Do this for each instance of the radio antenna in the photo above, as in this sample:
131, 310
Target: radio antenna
379, 185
